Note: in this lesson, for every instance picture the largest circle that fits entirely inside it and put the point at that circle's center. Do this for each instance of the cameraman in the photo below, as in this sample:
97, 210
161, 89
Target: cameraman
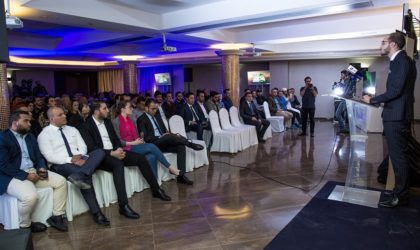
308, 94
345, 90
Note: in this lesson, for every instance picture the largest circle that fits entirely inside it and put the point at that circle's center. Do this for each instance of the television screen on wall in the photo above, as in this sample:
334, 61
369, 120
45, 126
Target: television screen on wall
258, 77
162, 79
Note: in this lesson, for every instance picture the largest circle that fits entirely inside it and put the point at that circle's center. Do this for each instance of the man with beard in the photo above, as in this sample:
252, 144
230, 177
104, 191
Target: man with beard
398, 113
22, 170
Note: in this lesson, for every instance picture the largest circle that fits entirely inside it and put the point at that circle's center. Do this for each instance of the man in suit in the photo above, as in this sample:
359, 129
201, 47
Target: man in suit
155, 132
190, 115
251, 116
199, 106
99, 133
227, 101
168, 106
179, 102
63, 147
398, 113
22, 170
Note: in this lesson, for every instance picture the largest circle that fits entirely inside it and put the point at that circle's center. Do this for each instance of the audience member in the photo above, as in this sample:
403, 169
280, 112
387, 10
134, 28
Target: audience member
250, 115
23, 169
63, 147
155, 132
213, 102
191, 119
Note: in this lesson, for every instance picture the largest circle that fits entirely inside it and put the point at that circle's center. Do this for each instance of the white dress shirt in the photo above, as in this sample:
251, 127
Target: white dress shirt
52, 145
26, 162
104, 134
203, 109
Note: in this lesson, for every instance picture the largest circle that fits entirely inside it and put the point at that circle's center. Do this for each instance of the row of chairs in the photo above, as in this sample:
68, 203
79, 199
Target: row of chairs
230, 134
104, 186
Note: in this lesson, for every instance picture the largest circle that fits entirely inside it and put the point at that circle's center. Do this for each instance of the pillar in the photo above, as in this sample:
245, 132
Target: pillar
230, 72
130, 76
4, 98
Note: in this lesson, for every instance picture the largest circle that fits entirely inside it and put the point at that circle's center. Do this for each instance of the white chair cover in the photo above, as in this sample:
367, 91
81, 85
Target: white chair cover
276, 122
289, 106
9, 215
234, 117
194, 159
225, 122
223, 141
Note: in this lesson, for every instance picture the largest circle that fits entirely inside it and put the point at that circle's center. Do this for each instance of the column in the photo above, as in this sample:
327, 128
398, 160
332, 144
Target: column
130, 77
4, 98
230, 72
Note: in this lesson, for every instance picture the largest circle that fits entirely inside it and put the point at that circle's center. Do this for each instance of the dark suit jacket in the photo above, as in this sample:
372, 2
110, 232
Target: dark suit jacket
187, 115
92, 137
398, 98
11, 158
200, 112
169, 109
228, 102
145, 125
246, 112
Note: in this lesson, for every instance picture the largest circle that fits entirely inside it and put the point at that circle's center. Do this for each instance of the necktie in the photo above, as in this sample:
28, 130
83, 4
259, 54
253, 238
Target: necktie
194, 114
66, 143
157, 126
250, 107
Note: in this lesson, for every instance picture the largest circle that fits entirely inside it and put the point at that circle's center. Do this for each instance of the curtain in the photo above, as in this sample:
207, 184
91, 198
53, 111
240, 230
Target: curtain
111, 80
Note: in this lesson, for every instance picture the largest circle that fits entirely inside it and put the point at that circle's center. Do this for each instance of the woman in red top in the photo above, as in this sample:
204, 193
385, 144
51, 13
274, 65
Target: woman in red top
127, 133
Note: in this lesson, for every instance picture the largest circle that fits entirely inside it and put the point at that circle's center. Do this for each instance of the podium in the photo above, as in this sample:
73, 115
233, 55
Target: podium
355, 189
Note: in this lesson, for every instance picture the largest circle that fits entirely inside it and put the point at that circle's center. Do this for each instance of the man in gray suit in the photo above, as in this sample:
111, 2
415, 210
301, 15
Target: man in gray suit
398, 113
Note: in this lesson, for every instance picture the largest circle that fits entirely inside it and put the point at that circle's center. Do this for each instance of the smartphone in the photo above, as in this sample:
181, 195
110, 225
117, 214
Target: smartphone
85, 157
42, 174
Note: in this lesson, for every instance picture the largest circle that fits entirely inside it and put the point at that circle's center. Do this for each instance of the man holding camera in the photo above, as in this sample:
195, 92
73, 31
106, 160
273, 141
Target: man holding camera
308, 94
22, 170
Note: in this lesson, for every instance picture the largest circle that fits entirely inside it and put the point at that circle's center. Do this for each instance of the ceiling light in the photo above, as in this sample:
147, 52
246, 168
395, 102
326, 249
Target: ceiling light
128, 57
22, 60
231, 46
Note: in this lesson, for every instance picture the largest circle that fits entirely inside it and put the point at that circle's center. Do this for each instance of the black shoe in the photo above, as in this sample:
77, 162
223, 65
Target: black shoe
79, 181
302, 134
128, 212
37, 227
312, 135
183, 179
393, 201
100, 219
58, 223
161, 195
195, 146
261, 140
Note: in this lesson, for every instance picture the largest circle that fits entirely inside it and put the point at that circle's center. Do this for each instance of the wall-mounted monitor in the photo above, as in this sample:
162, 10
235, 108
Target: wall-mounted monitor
162, 79
258, 77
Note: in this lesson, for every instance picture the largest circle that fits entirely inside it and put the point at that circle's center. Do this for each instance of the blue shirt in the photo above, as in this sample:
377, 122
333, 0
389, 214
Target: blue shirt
155, 128
283, 103
26, 162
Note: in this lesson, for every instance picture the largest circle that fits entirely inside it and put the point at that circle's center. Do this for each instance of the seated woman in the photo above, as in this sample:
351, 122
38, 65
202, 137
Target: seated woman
127, 133
78, 113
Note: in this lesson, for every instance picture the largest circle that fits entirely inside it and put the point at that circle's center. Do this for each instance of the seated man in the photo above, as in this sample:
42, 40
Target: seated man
99, 133
191, 119
213, 103
64, 148
274, 104
201, 110
251, 116
22, 170
151, 126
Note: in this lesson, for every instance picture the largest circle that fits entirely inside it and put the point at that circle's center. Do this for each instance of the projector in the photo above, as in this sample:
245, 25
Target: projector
166, 48
13, 22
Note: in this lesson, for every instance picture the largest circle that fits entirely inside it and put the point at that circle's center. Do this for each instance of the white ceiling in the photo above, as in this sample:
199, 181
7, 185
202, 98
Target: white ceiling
94, 29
